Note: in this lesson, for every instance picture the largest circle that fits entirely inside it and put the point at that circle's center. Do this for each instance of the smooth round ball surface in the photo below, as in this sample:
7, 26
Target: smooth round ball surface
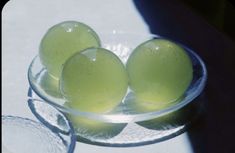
63, 40
160, 71
94, 80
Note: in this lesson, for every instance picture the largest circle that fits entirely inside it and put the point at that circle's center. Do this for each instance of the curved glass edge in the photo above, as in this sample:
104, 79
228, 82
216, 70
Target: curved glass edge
135, 144
180, 130
126, 118
73, 137
53, 128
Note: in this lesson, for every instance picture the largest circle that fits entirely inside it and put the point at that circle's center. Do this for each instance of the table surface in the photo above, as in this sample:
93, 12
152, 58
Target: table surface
24, 23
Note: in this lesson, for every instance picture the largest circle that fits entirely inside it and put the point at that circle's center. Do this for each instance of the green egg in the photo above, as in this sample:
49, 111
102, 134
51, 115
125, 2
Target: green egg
63, 40
159, 71
94, 80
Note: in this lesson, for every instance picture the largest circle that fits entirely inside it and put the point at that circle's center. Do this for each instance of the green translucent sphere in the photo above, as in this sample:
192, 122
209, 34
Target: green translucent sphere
63, 40
94, 80
160, 72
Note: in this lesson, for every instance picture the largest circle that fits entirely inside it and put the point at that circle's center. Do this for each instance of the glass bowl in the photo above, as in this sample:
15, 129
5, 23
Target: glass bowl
22, 135
124, 126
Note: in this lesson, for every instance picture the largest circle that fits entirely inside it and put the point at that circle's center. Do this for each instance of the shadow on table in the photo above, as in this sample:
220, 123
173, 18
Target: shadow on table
214, 131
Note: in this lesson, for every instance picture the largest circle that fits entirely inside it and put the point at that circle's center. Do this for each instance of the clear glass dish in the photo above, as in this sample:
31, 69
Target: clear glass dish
123, 126
22, 135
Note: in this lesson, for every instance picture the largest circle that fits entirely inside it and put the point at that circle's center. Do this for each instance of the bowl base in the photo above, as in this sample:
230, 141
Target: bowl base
120, 134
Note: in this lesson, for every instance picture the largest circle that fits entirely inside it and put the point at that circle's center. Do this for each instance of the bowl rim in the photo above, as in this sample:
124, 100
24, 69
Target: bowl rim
125, 118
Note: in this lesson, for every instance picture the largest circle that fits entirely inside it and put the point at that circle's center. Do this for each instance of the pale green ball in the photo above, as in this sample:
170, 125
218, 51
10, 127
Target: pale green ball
63, 40
94, 80
160, 71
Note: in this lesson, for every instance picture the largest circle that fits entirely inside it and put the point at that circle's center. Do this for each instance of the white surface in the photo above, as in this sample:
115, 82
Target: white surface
24, 22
